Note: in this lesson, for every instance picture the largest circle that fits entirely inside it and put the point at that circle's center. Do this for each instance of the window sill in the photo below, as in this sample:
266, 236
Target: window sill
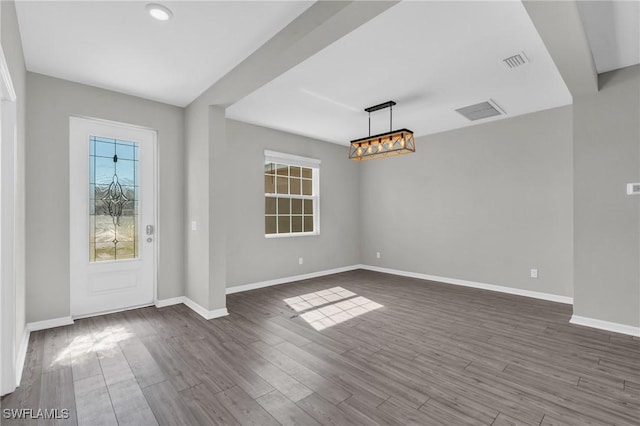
289, 235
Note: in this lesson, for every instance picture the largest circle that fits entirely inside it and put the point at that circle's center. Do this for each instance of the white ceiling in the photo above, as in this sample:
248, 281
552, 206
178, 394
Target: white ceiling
116, 45
613, 30
430, 57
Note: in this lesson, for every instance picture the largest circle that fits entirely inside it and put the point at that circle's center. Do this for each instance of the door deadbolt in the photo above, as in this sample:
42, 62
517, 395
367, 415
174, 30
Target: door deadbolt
149, 229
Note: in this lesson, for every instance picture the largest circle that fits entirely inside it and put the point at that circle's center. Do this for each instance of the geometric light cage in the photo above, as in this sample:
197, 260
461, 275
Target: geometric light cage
388, 144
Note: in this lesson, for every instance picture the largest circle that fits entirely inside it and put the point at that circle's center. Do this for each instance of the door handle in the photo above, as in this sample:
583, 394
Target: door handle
149, 229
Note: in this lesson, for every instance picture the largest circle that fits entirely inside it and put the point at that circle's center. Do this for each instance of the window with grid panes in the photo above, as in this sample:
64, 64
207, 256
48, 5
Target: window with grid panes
291, 186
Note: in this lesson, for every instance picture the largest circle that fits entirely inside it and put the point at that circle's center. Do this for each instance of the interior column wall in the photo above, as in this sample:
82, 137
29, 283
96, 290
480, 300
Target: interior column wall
197, 203
220, 207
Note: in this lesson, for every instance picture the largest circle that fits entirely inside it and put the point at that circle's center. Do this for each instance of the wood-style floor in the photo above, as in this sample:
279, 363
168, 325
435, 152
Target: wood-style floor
388, 350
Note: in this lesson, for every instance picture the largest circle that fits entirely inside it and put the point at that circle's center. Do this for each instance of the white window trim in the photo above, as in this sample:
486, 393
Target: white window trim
314, 165
290, 159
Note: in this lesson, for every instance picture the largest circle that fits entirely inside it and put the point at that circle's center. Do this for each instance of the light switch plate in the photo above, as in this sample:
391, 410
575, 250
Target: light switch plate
633, 188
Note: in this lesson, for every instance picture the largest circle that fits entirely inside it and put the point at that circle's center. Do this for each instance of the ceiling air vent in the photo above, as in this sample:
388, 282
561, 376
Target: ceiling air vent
480, 111
515, 61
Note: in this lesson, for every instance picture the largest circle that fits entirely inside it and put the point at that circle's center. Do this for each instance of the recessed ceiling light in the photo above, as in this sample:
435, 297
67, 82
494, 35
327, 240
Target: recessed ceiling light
159, 12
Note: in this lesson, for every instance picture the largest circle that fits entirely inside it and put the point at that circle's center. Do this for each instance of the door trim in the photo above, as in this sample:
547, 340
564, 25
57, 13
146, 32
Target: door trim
155, 190
9, 356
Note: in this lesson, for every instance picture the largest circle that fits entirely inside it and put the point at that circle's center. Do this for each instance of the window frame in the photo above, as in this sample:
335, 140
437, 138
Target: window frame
296, 161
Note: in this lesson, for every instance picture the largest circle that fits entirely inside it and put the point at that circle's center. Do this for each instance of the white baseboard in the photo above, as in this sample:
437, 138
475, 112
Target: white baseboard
59, 322
21, 356
52, 323
606, 325
200, 310
465, 283
203, 312
277, 281
161, 303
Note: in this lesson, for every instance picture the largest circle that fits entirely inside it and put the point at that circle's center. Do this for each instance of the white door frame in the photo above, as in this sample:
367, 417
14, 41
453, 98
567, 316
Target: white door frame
157, 230
8, 351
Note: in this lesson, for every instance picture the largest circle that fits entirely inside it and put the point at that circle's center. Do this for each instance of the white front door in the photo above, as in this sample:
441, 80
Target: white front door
112, 216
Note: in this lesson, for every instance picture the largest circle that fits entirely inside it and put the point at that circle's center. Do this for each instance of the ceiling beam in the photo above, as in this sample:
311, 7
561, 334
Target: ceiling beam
560, 27
316, 28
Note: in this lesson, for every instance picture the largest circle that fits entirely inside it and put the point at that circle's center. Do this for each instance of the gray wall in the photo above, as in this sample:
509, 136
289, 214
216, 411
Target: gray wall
250, 256
485, 203
12, 47
607, 221
50, 102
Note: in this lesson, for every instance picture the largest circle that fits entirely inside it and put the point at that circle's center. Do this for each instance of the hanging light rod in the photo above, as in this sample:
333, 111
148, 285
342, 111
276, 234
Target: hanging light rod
391, 143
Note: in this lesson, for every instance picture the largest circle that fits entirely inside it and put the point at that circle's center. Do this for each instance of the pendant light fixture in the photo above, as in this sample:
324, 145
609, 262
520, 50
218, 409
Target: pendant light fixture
394, 142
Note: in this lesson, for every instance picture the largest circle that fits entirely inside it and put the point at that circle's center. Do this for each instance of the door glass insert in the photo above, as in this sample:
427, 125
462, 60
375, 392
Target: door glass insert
113, 199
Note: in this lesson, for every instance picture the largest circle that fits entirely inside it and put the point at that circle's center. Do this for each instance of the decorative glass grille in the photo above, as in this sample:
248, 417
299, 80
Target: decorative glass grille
113, 199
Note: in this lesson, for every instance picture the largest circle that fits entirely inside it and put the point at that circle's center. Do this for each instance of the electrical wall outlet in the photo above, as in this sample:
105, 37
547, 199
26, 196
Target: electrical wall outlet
194, 225
534, 273
378, 255
300, 261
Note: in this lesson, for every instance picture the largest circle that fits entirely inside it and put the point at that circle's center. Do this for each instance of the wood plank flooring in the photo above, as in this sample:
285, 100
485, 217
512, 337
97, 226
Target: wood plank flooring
357, 348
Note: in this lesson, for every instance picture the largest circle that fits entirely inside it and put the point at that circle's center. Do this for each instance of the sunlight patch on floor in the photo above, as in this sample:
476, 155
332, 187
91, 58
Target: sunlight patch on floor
329, 307
318, 298
92, 342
